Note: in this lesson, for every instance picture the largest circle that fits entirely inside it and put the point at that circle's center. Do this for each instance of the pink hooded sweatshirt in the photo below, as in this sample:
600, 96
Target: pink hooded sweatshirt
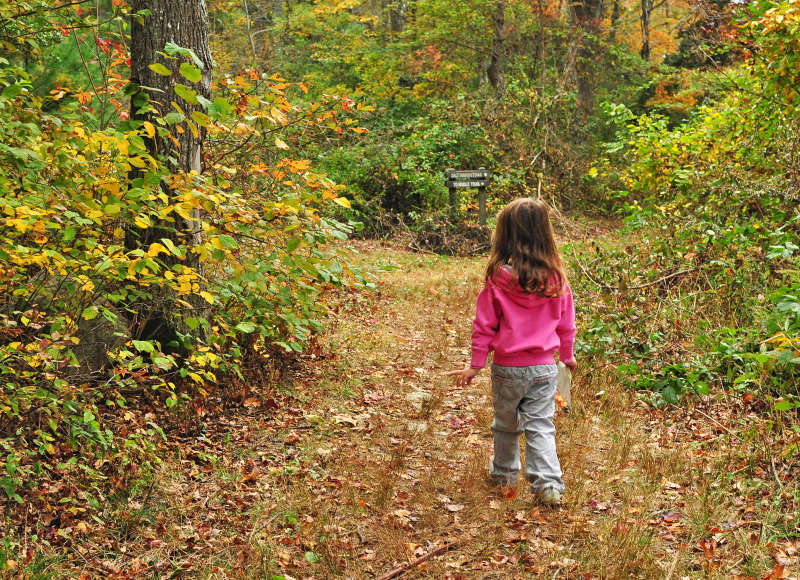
522, 329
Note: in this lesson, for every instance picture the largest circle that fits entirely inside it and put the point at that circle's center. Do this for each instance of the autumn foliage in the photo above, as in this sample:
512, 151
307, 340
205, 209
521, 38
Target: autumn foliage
248, 280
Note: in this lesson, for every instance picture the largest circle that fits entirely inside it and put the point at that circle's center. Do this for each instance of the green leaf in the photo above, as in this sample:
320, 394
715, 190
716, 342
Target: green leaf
784, 405
173, 118
283, 345
159, 69
163, 363
172, 49
245, 327
143, 346
11, 91
670, 394
190, 73
219, 107
228, 242
311, 557
187, 94
90, 313
9, 486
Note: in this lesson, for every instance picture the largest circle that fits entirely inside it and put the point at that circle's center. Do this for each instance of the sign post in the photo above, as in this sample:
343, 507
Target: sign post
471, 179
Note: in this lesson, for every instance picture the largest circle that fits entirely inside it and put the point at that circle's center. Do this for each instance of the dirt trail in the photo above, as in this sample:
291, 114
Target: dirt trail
371, 462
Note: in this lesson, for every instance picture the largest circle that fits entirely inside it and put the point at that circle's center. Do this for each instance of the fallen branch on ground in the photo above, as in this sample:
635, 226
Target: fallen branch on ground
400, 570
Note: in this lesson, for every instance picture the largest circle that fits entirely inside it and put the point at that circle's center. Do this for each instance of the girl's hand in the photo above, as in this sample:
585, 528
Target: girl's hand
571, 364
464, 376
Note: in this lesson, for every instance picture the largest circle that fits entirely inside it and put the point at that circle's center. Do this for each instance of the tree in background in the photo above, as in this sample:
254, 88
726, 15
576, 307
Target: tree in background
495, 69
587, 17
644, 18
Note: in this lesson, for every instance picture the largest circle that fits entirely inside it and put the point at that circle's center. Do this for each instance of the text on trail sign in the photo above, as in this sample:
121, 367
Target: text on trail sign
460, 183
466, 175
468, 178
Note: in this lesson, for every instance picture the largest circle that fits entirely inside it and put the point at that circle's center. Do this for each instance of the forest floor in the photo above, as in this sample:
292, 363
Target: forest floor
370, 463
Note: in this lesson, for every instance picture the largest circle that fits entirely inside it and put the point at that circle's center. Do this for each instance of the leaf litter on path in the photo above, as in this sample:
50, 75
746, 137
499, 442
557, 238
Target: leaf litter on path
373, 463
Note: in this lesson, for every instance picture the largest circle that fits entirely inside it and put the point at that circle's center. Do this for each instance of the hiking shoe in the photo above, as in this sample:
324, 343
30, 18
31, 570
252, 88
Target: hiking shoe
549, 497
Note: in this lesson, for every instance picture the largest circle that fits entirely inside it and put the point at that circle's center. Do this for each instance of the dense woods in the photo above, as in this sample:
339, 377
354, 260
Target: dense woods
183, 184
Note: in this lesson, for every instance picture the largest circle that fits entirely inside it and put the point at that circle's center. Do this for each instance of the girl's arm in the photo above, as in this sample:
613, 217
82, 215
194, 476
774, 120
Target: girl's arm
484, 327
566, 331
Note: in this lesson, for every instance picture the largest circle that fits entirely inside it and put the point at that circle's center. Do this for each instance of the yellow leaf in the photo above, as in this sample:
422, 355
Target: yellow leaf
149, 130
155, 249
177, 108
184, 210
122, 145
137, 162
193, 129
343, 201
280, 143
208, 297
112, 188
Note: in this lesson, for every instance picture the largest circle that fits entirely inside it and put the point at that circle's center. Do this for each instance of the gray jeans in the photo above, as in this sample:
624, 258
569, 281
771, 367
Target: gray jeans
524, 402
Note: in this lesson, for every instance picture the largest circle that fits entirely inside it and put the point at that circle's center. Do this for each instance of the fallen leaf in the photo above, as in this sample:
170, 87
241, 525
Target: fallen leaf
563, 563
670, 518
778, 571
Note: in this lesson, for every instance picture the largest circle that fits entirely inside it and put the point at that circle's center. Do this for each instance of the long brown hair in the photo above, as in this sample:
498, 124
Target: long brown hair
523, 239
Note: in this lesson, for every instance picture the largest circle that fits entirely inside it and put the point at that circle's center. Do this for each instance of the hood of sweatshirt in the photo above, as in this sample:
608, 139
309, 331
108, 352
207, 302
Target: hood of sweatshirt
505, 280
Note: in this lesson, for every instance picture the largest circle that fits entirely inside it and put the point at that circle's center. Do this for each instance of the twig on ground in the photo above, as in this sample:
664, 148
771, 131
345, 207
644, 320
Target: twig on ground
720, 425
775, 472
599, 448
672, 566
400, 570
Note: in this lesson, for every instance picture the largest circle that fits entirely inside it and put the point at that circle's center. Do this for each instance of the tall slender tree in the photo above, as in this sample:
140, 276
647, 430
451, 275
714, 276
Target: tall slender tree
647, 10
495, 69
587, 18
615, 14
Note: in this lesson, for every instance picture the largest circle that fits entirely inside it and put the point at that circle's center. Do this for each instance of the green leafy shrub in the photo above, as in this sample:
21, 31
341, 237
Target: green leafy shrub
405, 177
239, 267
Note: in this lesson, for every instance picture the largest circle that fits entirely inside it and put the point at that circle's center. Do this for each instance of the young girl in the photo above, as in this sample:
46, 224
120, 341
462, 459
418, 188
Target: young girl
524, 314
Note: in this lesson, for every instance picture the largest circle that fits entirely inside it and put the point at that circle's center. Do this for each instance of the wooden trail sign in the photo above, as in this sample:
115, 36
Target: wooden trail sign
472, 179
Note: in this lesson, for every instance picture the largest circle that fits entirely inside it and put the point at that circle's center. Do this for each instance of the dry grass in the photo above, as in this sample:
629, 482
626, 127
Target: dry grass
357, 473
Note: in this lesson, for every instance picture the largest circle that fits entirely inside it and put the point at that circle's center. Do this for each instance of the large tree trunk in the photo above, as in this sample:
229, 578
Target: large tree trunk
495, 69
587, 17
184, 24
